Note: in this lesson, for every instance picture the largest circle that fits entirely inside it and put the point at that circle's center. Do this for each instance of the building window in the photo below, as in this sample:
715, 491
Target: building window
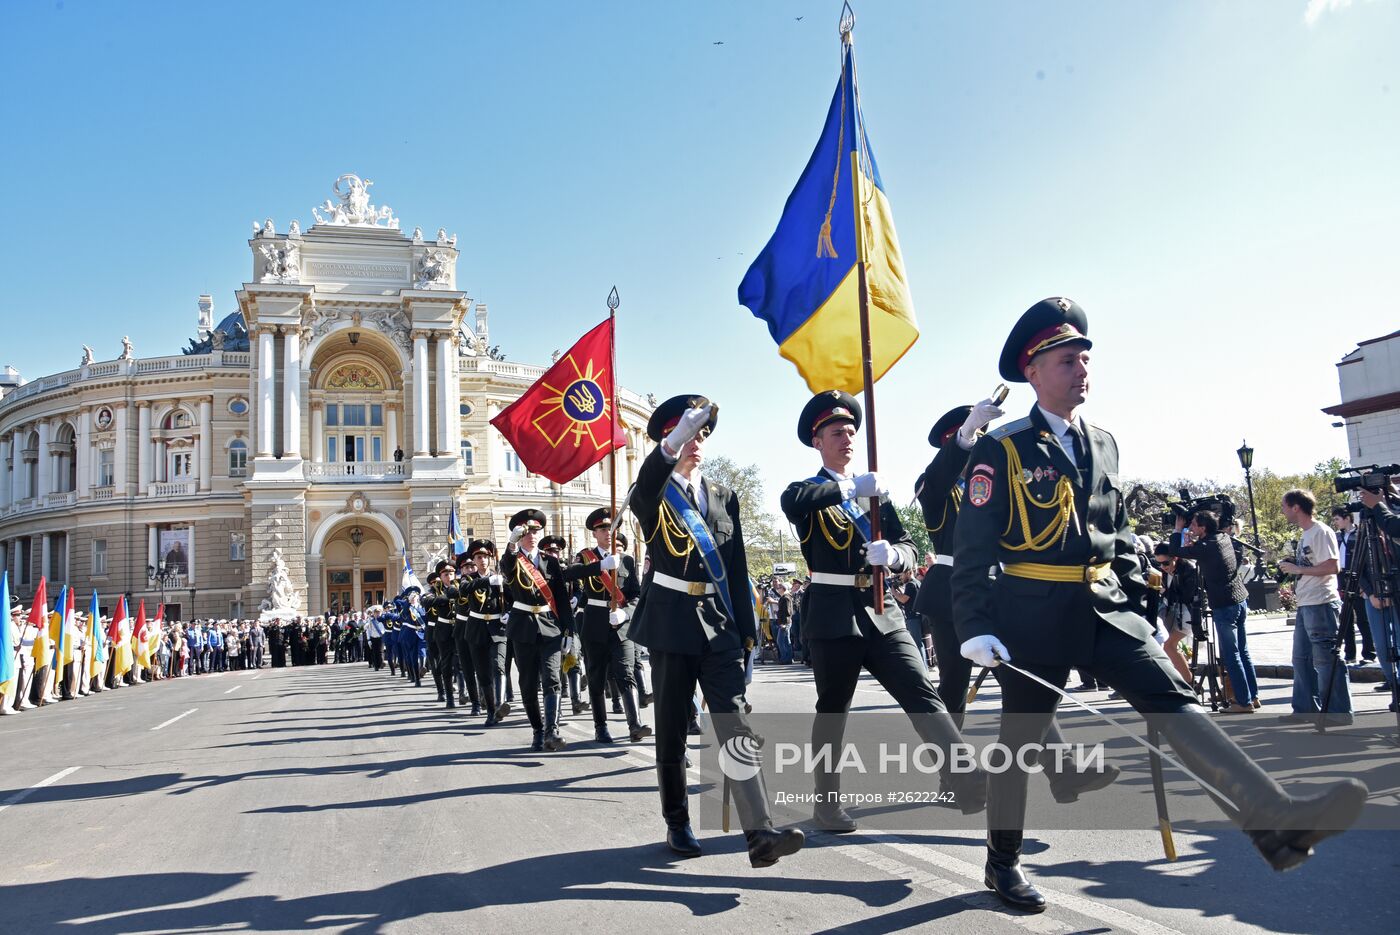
99, 556
468, 456
179, 419
354, 414
333, 414
237, 547
237, 458
376, 414
235, 609
106, 470
465, 409
238, 406
513, 465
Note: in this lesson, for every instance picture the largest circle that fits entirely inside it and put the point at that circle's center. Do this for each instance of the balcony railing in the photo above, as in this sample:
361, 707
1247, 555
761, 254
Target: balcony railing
61, 498
113, 368
165, 491
348, 472
102, 493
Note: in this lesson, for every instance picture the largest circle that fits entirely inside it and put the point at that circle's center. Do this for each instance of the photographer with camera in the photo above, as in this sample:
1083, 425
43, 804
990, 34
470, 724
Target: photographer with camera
1320, 681
1214, 552
1353, 602
1378, 582
1181, 601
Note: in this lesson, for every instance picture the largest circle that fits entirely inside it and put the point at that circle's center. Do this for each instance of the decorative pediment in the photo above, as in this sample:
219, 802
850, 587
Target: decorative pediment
357, 502
354, 376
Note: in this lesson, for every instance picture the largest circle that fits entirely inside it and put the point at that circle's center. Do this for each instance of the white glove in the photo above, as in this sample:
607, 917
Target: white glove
868, 485
981, 416
880, 552
609, 562
517, 534
985, 651
688, 427
617, 618
495, 581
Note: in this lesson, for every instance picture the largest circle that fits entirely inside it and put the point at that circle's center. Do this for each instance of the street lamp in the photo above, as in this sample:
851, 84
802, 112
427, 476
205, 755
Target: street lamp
356, 536
1246, 456
162, 576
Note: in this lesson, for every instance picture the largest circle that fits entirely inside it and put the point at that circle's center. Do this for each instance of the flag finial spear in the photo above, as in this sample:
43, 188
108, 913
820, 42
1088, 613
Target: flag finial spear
848, 21
613, 300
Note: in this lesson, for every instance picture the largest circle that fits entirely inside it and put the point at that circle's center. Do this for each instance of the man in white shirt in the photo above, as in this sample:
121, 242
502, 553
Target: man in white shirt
1320, 681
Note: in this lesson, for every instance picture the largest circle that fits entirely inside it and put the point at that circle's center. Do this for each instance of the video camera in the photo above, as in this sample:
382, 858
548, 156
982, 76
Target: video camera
1219, 503
1372, 477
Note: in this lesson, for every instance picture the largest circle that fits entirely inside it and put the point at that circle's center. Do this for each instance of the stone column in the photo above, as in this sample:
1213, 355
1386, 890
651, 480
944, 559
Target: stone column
46, 554
391, 424
120, 478
206, 442
17, 464
194, 550
265, 377
5, 558
291, 394
144, 473
318, 432
152, 545
5, 460
45, 467
445, 371
420, 393
84, 453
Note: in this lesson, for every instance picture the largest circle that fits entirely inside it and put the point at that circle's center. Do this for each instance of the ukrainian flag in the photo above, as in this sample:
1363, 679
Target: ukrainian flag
805, 282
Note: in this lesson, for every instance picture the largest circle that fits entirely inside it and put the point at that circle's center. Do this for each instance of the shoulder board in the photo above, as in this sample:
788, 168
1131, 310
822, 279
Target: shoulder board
1010, 428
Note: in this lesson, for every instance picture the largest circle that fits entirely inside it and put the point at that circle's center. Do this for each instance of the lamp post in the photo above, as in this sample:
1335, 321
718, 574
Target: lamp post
1246, 456
161, 576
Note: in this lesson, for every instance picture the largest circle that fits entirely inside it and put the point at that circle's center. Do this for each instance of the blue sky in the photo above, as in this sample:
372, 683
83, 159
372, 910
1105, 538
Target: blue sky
1214, 182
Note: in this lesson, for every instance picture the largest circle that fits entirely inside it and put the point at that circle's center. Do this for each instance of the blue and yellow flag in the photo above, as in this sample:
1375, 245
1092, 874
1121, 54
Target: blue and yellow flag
454, 532
7, 638
805, 285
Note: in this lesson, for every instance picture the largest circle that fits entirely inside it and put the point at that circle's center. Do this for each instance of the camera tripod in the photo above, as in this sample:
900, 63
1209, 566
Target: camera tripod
1376, 559
1208, 677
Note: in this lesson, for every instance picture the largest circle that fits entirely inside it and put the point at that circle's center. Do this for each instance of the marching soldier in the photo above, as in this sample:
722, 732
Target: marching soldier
413, 636
461, 640
1046, 578
609, 589
445, 608
555, 546
534, 582
940, 495
697, 619
840, 628
486, 628
430, 622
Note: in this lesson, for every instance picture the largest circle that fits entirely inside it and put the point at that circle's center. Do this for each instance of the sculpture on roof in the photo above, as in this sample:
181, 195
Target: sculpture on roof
354, 209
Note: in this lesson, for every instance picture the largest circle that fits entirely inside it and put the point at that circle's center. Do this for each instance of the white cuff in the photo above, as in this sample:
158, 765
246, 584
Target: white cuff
848, 488
666, 454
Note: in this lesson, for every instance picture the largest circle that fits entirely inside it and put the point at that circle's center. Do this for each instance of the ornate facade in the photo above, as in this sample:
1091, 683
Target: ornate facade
336, 416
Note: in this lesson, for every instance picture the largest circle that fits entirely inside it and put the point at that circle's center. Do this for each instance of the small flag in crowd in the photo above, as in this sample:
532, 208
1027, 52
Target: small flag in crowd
7, 649
454, 532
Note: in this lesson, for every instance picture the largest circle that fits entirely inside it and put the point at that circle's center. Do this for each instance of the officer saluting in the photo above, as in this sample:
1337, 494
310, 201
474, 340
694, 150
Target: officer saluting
697, 618
840, 629
486, 628
1043, 503
534, 582
609, 588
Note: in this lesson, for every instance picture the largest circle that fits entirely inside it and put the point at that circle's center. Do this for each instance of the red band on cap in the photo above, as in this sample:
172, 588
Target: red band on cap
948, 434
836, 412
1038, 342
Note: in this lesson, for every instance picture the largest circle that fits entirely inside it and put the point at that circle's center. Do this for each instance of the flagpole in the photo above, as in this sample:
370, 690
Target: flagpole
613, 303
848, 24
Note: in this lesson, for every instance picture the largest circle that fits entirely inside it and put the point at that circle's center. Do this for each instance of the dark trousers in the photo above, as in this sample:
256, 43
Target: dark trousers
489, 665
446, 662
892, 658
1353, 619
608, 660
538, 662
376, 653
954, 672
1138, 669
720, 676
465, 668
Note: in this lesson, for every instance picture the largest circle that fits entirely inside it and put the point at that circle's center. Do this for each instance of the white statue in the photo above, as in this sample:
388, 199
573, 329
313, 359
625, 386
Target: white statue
269, 230
216, 341
554, 356
432, 270
87, 356
257, 230
442, 237
282, 599
418, 235
354, 209
126, 348
282, 262
294, 232
452, 240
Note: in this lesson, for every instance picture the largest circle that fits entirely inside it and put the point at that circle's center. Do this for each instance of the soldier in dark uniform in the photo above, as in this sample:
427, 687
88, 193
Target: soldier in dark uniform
444, 606
840, 628
555, 546
609, 589
940, 495
413, 633
275, 646
486, 628
430, 625
696, 632
534, 582
461, 641
1046, 578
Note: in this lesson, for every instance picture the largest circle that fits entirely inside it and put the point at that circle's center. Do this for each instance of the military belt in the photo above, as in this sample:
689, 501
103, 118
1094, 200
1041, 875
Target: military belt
943, 560
841, 581
594, 602
693, 588
476, 616
462, 618
1073, 574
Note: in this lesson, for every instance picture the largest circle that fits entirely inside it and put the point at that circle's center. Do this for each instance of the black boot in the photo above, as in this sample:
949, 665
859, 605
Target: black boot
616, 705
766, 845
552, 741
600, 733
969, 788
828, 813
1004, 875
675, 808
636, 730
451, 702
537, 745
1283, 827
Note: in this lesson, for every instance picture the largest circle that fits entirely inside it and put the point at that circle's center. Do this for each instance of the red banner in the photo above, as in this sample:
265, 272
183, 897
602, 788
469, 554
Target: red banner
562, 425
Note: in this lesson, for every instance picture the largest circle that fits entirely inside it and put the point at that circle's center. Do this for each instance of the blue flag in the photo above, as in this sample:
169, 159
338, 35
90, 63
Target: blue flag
805, 283
7, 639
454, 533
95, 630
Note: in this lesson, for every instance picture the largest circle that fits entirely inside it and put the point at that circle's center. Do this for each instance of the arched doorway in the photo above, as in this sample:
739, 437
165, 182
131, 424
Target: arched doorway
356, 567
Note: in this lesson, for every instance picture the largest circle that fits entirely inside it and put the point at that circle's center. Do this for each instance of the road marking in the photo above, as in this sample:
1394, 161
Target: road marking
23, 794
258, 676
175, 718
233, 689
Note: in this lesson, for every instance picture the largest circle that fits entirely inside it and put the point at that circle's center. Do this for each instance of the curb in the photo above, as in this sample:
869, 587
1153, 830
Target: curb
1367, 674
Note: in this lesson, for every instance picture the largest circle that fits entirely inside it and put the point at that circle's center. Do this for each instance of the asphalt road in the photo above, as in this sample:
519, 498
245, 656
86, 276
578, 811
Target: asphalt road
337, 799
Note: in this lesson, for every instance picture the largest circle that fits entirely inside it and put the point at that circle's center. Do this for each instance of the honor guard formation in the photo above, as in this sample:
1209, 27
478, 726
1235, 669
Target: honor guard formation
1035, 573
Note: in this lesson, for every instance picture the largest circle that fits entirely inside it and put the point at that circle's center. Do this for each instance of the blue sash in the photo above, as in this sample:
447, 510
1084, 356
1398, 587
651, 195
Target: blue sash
852, 510
705, 544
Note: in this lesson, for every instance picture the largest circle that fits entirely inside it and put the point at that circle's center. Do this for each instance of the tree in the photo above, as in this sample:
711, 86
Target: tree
911, 515
764, 533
